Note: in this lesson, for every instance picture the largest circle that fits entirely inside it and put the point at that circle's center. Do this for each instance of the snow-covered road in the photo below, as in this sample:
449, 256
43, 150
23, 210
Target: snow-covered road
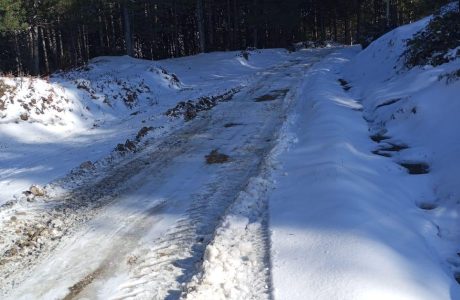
143, 230
322, 190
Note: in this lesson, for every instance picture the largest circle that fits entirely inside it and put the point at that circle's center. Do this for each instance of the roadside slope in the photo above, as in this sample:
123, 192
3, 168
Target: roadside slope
344, 221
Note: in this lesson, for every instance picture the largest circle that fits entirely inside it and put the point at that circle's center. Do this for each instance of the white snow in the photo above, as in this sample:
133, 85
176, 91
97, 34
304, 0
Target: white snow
349, 224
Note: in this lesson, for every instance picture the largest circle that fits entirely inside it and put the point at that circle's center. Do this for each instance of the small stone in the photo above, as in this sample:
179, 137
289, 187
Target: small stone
36, 191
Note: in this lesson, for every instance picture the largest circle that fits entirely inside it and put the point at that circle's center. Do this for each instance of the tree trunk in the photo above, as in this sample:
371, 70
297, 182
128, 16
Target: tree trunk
35, 50
358, 21
388, 13
35, 40
255, 33
200, 22
45, 51
127, 31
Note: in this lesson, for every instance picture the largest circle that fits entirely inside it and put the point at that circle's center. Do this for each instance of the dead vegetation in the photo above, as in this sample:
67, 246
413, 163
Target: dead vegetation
215, 157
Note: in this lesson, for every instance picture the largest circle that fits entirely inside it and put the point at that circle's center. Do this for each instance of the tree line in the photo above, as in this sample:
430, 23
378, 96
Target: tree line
41, 36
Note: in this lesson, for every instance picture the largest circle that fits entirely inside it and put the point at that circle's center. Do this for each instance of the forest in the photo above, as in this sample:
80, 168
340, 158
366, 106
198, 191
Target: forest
38, 37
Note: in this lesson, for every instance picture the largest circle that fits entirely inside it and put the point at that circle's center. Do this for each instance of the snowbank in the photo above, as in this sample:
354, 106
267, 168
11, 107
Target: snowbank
345, 224
418, 108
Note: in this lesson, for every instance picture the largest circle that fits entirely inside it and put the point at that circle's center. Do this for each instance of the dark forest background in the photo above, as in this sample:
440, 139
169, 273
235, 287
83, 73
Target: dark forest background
41, 36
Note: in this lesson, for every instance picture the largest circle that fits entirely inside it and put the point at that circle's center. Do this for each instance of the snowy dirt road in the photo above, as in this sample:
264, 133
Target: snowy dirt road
141, 232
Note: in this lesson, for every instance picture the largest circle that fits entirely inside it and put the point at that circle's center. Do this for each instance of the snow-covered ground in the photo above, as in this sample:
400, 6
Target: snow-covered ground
348, 221
48, 127
340, 180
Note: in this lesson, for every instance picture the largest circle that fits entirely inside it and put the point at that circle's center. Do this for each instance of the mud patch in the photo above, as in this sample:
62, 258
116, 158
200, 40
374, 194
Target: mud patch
215, 157
416, 168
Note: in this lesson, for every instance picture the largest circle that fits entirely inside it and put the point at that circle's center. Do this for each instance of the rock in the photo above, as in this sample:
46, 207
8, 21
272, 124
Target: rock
190, 114
143, 132
87, 165
36, 191
130, 145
